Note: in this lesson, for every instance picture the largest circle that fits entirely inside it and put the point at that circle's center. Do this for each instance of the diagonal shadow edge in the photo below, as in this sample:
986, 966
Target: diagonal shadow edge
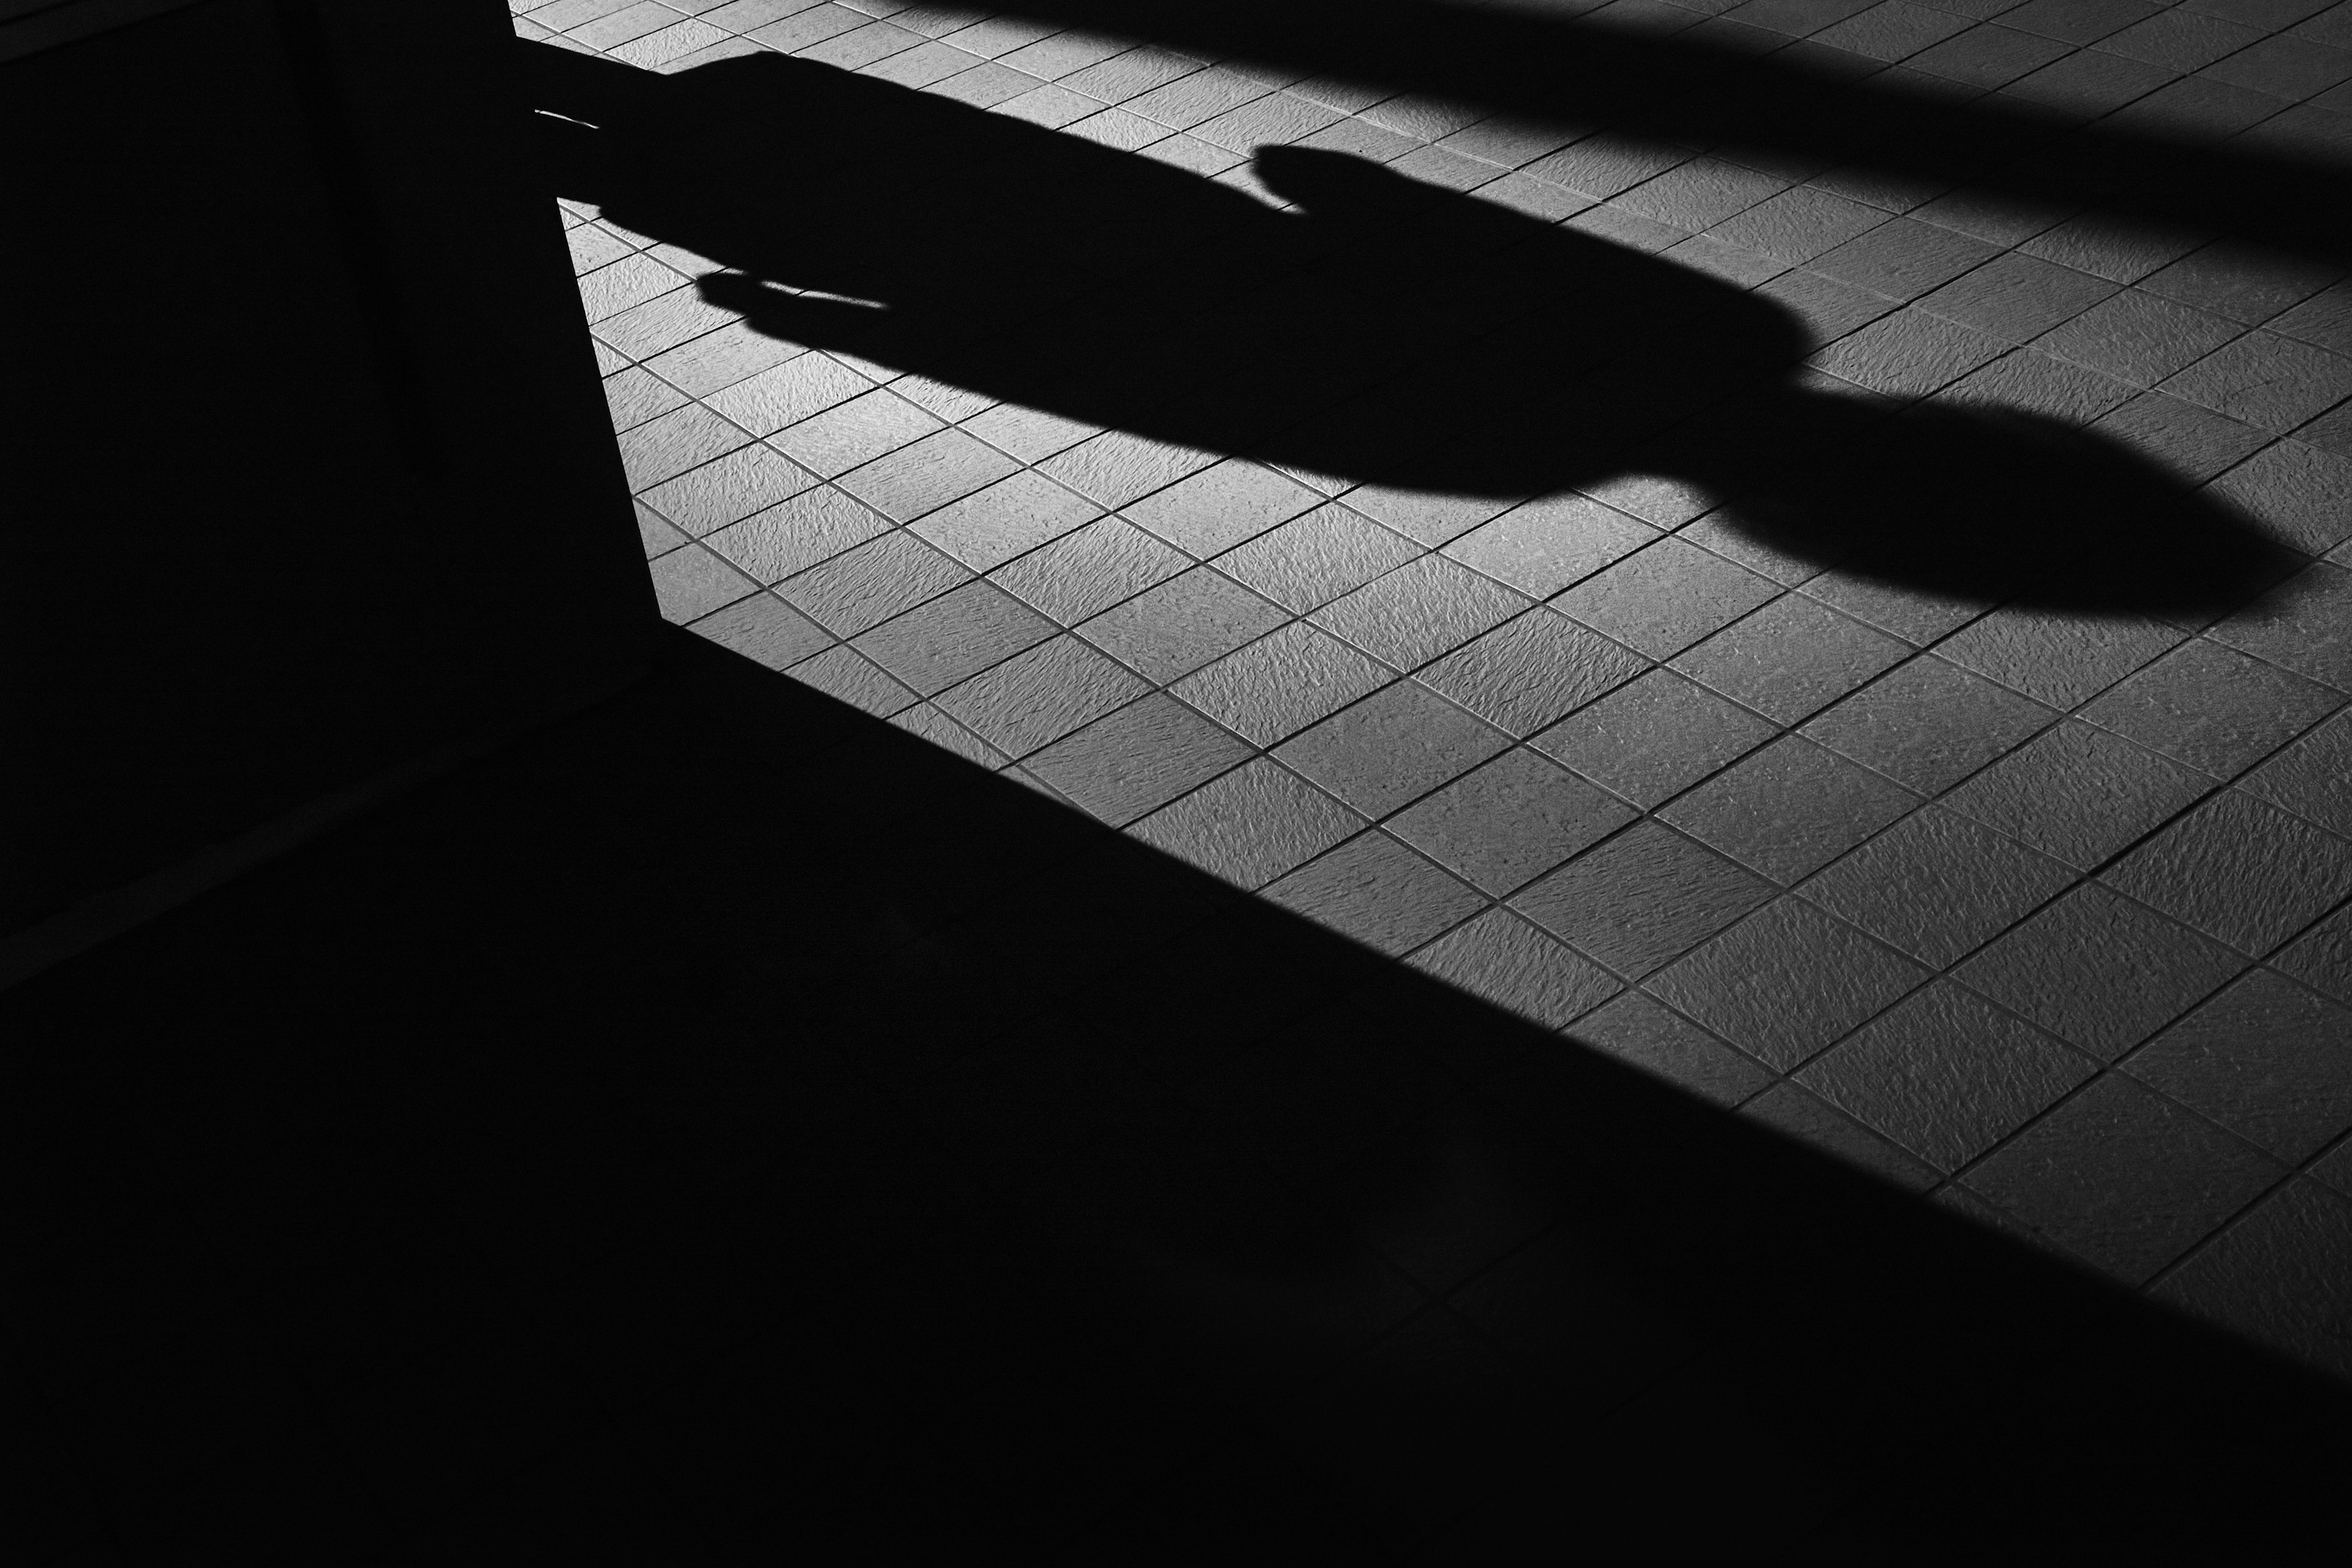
2263, 185
729, 1108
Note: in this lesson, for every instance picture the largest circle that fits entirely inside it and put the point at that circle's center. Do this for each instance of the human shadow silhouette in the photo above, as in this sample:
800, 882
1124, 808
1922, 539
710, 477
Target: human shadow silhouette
1383, 332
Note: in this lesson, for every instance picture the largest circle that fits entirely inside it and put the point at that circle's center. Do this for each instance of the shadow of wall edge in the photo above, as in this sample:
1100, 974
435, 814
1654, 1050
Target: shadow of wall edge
313, 488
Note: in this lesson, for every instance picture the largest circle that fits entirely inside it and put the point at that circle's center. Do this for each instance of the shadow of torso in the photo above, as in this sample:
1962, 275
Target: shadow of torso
1377, 330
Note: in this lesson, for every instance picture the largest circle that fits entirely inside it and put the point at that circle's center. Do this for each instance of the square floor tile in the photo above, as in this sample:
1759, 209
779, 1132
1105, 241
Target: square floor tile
2017, 297
1214, 509
2266, 1058
958, 634
1314, 559
1115, 467
850, 675
2304, 624
1642, 1033
1422, 608
1431, 520
1038, 696
1787, 981
1936, 885
1946, 1074
798, 534
2293, 492
1130, 762
1250, 825
1270, 689
786, 394
1502, 958
728, 490
1661, 599
1790, 658
863, 587
2140, 337
2308, 777
928, 473
2124, 1179
1376, 891
665, 447
689, 583
1529, 670
1173, 629
1929, 724
765, 629
1007, 519
1545, 545
1796, 1113
2240, 869
1654, 737
1086, 572
2215, 708
1391, 748
1788, 809
2078, 793
2271, 381
1642, 898
1509, 820
2100, 971
2322, 957
2059, 659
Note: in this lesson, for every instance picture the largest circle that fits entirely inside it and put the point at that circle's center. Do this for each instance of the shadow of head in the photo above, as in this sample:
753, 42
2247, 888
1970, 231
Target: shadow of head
1319, 311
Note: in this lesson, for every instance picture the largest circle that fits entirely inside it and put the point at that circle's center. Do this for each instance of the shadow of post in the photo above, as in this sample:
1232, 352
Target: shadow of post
724, 1128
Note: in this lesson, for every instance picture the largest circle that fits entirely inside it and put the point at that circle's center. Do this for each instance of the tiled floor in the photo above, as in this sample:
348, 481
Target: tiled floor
1865, 644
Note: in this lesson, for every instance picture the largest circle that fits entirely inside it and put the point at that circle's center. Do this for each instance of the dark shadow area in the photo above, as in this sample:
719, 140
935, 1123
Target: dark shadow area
2186, 159
1384, 330
725, 1130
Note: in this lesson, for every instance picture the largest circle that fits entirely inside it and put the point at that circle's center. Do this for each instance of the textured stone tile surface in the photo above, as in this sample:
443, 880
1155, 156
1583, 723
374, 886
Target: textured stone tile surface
2047, 898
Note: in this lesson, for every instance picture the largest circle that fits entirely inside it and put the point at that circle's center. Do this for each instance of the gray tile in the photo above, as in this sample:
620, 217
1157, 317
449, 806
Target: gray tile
1176, 626
1786, 983
1654, 737
1788, 809
1529, 670
1422, 608
1640, 1032
1431, 518
1801, 1114
795, 534
1134, 761
1503, 959
1391, 748
863, 587
1509, 820
2212, 708
1314, 559
2124, 1179
765, 629
850, 675
1006, 518
1218, 508
1250, 825
2322, 957
2240, 869
665, 447
1377, 892
1545, 545
690, 584
2078, 793
728, 490
1790, 658
2282, 1274
1038, 696
1661, 599
1086, 572
2304, 624
2062, 660
2138, 336
1270, 689
958, 634
852, 433
2266, 1058
1642, 898
926, 474
2295, 493
1115, 467
2100, 971
786, 394
1938, 886
1946, 1074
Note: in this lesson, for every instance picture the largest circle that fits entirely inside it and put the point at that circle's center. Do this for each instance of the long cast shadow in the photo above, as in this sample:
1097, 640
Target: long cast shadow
725, 1130
1385, 331
2197, 162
